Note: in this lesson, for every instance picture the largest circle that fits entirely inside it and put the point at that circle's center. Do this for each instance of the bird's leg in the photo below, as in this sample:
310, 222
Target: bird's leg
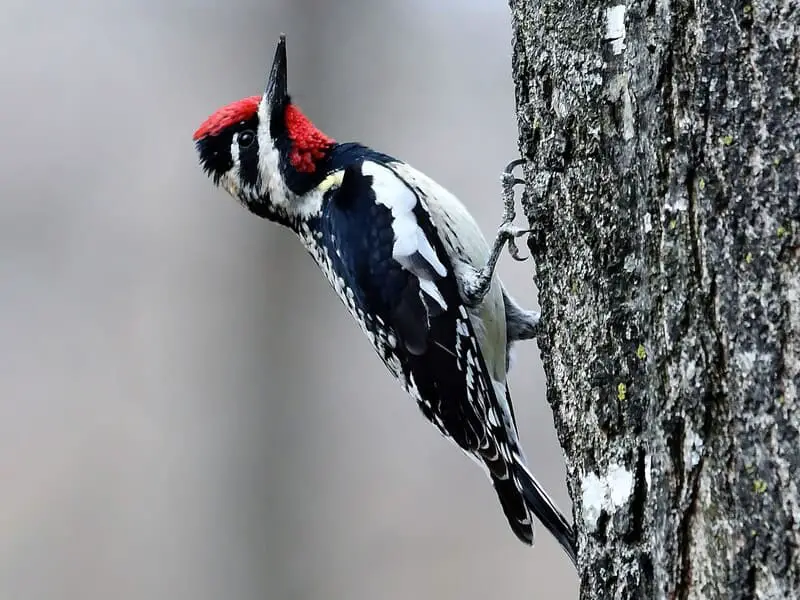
479, 286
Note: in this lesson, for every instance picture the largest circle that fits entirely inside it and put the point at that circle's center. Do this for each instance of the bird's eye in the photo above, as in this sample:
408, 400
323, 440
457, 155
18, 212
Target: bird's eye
246, 139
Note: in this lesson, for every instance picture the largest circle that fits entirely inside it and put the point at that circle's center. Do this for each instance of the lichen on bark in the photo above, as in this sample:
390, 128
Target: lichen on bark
663, 189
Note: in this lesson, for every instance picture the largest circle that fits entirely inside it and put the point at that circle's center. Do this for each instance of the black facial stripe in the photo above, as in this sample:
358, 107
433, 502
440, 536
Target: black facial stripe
215, 152
248, 163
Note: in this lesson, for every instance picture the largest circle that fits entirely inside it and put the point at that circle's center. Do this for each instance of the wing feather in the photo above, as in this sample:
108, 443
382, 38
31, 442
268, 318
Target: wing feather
411, 249
411, 283
394, 256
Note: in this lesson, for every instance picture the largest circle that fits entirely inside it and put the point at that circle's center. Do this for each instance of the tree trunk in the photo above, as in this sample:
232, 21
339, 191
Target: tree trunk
662, 142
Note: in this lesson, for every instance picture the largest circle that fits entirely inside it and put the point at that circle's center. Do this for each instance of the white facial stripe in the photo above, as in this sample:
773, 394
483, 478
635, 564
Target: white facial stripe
267, 155
230, 180
235, 153
272, 181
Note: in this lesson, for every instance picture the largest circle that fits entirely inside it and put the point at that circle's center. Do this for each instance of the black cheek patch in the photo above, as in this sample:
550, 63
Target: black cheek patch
215, 155
248, 164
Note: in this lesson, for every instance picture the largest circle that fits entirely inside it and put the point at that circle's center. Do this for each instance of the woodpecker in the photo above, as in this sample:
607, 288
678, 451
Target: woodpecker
409, 263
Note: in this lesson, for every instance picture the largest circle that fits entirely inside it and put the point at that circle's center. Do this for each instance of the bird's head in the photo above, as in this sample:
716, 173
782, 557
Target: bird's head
265, 152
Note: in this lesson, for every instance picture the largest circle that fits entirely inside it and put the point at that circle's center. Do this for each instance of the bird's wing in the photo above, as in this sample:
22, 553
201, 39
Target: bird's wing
390, 251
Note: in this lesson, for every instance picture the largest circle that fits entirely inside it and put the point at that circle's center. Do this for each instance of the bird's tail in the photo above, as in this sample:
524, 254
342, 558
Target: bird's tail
543, 507
519, 492
522, 495
514, 507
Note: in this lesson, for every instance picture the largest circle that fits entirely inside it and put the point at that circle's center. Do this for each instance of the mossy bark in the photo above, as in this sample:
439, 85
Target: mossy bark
663, 189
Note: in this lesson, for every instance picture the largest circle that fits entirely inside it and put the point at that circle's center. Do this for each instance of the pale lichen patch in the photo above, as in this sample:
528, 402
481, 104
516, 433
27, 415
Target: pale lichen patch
605, 494
615, 28
593, 491
620, 483
692, 448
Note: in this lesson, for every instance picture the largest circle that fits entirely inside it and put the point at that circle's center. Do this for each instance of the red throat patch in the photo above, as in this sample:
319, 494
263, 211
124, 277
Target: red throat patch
308, 142
241, 110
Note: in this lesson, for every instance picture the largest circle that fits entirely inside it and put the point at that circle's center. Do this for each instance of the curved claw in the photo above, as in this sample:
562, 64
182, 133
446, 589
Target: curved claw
513, 250
509, 180
511, 233
513, 165
508, 233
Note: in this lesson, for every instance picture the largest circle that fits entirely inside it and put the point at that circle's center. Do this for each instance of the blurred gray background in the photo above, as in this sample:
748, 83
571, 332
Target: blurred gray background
186, 410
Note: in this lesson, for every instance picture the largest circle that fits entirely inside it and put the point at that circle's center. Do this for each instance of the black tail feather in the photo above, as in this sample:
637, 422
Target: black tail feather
548, 513
515, 508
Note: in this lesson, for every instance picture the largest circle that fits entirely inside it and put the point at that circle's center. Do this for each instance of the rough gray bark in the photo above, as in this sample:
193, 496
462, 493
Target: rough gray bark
663, 190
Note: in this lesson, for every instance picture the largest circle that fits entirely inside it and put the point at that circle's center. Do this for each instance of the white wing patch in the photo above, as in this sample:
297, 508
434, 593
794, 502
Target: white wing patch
411, 248
429, 287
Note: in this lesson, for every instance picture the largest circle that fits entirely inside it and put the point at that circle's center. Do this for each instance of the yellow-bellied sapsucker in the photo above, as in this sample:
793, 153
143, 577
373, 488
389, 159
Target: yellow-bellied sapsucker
410, 264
